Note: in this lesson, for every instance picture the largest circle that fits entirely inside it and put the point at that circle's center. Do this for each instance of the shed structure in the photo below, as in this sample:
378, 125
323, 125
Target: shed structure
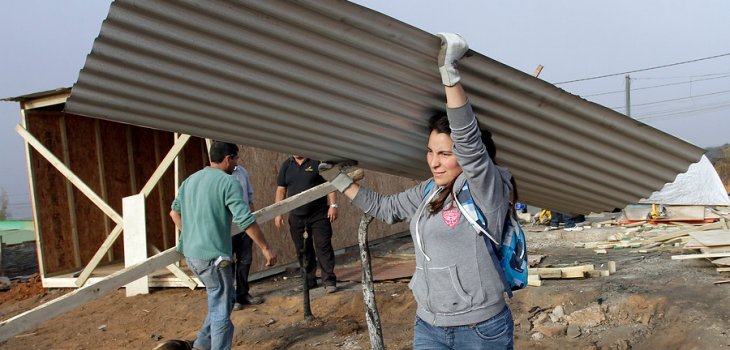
88, 177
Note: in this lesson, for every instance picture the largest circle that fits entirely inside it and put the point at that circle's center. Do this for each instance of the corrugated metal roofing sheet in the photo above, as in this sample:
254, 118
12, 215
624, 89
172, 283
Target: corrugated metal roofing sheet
331, 79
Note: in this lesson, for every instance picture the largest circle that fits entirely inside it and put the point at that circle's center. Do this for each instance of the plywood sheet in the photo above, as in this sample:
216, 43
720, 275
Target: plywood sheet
712, 238
51, 199
83, 155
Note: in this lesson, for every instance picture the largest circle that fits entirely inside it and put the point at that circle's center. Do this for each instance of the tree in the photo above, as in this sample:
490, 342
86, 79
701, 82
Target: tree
3, 204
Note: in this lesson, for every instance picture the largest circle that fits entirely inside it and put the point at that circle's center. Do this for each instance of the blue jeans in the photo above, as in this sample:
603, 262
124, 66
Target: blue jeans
494, 333
217, 330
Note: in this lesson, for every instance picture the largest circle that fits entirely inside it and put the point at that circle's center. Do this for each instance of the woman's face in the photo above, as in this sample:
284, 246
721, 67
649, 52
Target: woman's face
440, 158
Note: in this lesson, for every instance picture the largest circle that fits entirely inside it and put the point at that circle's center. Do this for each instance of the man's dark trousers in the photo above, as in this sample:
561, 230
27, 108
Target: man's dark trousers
319, 229
243, 250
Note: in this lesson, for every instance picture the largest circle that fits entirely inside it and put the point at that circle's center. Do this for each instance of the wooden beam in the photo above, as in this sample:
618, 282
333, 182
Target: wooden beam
33, 202
135, 241
65, 171
685, 231
112, 237
534, 280
46, 101
268, 213
130, 161
161, 193
70, 194
177, 271
169, 159
561, 272
102, 178
99, 255
53, 308
700, 256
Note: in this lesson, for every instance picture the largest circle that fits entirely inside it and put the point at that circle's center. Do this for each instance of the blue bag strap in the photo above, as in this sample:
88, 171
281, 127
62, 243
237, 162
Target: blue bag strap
497, 264
491, 247
429, 186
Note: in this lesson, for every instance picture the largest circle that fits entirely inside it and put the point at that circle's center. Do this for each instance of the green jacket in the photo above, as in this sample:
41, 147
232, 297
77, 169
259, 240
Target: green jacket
208, 202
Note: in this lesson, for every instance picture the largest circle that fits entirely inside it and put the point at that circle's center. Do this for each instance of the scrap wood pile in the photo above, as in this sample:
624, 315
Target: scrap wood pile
708, 241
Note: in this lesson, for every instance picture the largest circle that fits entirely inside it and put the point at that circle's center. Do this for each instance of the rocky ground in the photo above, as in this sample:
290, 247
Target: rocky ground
650, 302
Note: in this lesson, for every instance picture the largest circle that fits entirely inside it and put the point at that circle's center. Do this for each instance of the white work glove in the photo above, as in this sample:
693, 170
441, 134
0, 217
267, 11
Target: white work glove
341, 182
337, 174
453, 47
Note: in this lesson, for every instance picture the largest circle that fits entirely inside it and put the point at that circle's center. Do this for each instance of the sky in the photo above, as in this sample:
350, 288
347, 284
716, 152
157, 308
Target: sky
45, 44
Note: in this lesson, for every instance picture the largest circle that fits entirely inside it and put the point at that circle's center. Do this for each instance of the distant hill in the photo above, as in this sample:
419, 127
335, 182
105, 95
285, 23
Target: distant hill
715, 153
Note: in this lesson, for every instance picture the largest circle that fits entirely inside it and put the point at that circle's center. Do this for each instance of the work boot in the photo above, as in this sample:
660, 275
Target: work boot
252, 300
330, 289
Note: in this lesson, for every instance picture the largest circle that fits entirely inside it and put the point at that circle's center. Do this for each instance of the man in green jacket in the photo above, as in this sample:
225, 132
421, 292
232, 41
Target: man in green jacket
206, 205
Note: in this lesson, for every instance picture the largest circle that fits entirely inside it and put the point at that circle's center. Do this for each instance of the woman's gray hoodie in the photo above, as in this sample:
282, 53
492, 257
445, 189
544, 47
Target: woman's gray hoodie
455, 282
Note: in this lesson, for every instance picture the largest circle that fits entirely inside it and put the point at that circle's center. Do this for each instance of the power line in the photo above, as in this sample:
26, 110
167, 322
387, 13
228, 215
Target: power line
655, 86
675, 99
664, 115
680, 76
644, 69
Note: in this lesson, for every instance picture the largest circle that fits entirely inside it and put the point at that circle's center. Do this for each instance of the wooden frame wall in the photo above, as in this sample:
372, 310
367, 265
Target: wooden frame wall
78, 212
114, 161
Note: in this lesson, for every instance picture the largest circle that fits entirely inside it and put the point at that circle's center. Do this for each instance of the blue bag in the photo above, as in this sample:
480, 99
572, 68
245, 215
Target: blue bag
511, 255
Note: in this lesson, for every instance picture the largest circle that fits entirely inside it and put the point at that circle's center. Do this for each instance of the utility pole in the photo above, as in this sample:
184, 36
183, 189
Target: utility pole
628, 95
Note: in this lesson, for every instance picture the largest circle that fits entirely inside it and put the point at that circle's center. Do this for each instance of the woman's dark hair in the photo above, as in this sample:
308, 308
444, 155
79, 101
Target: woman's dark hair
440, 123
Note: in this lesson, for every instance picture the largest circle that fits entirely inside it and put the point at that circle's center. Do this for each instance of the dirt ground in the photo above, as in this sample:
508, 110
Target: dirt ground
651, 302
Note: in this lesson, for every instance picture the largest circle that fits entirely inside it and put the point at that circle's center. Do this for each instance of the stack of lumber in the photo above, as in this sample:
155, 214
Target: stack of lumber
630, 238
537, 274
711, 244
712, 241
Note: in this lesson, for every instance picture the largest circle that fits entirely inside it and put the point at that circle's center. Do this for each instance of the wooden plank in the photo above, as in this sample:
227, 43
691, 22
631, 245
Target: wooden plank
712, 238
683, 232
178, 272
32, 188
723, 269
99, 255
700, 256
722, 261
112, 237
561, 272
102, 177
70, 193
135, 241
115, 166
46, 101
692, 243
131, 160
180, 142
718, 249
53, 308
161, 193
722, 281
534, 280
65, 171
